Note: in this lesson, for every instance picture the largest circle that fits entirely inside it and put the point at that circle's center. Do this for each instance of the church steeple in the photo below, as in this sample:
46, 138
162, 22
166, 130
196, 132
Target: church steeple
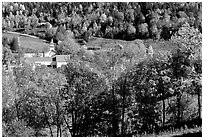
52, 45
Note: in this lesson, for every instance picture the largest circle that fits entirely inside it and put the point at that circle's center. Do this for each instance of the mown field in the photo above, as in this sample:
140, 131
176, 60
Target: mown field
29, 42
160, 46
40, 45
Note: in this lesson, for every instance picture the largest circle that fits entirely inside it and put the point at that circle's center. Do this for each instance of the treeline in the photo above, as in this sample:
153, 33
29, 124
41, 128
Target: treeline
116, 20
127, 98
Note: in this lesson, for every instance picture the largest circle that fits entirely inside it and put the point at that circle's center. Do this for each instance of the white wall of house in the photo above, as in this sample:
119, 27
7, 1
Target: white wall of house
43, 63
33, 54
59, 64
49, 54
29, 54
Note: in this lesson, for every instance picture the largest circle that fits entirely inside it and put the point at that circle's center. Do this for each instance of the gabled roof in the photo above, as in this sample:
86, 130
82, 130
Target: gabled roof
62, 58
31, 60
50, 51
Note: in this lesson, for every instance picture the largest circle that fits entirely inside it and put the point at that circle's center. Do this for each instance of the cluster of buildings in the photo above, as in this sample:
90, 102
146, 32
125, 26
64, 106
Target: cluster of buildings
49, 58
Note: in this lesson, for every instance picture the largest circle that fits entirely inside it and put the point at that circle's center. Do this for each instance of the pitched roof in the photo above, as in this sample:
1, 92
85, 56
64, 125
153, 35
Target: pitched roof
30, 60
50, 51
62, 58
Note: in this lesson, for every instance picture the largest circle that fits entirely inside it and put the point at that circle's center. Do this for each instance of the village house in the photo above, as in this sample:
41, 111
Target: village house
49, 58
37, 61
59, 60
33, 55
55, 61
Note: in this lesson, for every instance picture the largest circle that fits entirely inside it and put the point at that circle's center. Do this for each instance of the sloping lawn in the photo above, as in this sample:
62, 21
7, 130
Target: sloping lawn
160, 46
29, 42
109, 43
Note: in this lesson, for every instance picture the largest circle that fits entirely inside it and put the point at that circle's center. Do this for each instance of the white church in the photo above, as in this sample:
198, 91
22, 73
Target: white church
51, 52
49, 58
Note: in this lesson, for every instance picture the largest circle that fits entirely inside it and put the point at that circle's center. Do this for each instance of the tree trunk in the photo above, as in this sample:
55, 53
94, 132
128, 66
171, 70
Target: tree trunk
45, 113
123, 108
57, 112
57, 130
163, 117
123, 115
199, 103
50, 129
178, 108
17, 111
67, 125
114, 124
76, 127
73, 124
60, 130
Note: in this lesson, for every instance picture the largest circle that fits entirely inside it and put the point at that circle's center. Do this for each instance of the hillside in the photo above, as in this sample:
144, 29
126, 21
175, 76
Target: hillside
101, 69
28, 41
159, 46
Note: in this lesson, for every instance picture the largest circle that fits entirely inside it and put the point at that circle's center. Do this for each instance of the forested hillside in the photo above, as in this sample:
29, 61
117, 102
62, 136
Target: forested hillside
118, 20
111, 86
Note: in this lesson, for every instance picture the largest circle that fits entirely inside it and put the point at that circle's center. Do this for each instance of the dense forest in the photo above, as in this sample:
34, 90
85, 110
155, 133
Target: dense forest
104, 93
116, 20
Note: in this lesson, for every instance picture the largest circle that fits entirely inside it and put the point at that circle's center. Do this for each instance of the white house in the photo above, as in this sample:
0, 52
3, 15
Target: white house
37, 61
59, 60
33, 55
55, 61
50, 53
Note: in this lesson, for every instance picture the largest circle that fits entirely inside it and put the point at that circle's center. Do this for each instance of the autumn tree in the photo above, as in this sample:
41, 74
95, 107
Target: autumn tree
79, 97
60, 33
182, 60
68, 46
7, 56
12, 125
144, 112
15, 44
39, 95
50, 85
131, 32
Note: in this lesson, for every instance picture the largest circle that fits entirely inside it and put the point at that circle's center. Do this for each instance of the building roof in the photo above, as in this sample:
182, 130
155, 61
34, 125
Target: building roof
52, 45
62, 58
31, 60
53, 51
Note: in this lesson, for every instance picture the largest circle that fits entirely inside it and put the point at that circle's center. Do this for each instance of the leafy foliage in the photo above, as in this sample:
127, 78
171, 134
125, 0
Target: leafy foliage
115, 92
163, 19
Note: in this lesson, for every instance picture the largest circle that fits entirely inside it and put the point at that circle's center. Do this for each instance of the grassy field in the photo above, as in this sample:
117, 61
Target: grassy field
161, 46
40, 45
109, 43
29, 42
189, 132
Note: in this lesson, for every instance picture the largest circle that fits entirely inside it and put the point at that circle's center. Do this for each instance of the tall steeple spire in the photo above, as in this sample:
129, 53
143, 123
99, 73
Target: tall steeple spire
52, 45
18, 39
